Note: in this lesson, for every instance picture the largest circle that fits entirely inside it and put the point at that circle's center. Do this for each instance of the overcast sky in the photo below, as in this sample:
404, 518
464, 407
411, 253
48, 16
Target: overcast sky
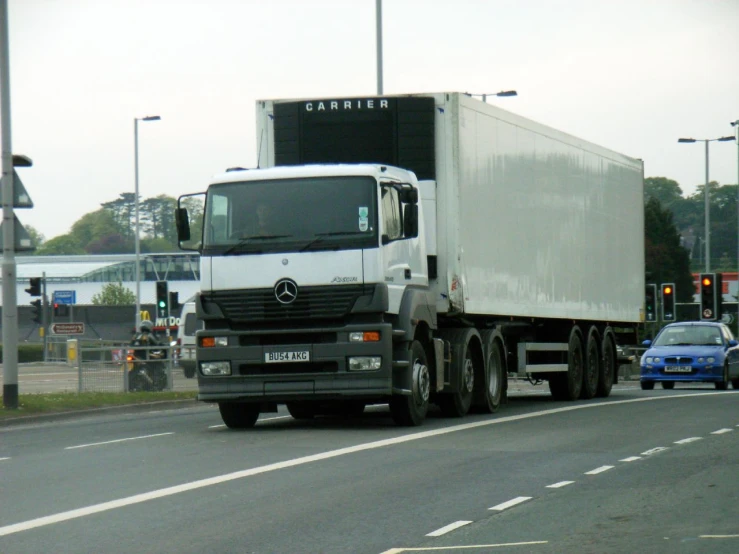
630, 75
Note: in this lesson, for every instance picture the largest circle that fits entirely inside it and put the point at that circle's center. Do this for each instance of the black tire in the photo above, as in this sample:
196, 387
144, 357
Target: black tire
592, 367
410, 410
457, 404
568, 386
608, 368
489, 393
647, 385
668, 385
735, 383
238, 415
302, 410
723, 384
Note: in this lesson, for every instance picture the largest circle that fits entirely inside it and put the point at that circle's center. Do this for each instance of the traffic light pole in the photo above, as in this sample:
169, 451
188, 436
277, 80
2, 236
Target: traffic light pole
10, 300
44, 316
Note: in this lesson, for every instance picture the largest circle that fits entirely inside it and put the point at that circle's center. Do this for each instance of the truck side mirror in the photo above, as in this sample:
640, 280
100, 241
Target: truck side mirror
182, 221
409, 196
410, 220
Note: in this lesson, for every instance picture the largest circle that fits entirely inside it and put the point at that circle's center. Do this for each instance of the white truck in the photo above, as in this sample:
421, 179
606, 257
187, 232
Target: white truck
420, 249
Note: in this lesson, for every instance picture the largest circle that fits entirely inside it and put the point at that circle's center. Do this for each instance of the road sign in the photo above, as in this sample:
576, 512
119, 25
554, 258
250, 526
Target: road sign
65, 297
68, 328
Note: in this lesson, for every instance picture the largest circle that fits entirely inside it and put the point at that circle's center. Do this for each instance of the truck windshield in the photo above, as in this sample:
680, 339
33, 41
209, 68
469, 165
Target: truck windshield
290, 215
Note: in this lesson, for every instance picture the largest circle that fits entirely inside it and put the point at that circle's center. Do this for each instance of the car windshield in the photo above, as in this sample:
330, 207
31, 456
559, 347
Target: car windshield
701, 335
290, 215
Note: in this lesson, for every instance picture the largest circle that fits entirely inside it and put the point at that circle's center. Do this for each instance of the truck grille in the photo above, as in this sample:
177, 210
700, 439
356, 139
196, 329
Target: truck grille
292, 369
312, 303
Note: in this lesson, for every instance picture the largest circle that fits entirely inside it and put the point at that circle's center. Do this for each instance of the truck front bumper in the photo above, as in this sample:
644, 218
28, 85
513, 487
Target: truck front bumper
325, 375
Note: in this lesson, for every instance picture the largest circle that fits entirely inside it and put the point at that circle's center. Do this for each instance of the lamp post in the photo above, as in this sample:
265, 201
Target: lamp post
502, 93
136, 120
735, 124
706, 195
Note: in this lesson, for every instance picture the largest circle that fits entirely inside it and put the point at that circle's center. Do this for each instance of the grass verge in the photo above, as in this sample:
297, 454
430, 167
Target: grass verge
36, 404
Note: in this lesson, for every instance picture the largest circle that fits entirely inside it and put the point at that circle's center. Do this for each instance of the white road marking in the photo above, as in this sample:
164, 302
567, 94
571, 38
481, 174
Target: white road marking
598, 470
722, 431
718, 536
194, 485
654, 450
512, 502
631, 459
265, 419
688, 440
117, 440
2, 459
465, 547
447, 528
560, 484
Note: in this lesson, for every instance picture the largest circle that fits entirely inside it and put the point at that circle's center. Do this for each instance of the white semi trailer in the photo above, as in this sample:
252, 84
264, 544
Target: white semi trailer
420, 249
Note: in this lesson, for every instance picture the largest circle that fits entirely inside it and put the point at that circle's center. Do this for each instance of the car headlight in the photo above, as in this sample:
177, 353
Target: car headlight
656, 360
701, 360
710, 359
649, 360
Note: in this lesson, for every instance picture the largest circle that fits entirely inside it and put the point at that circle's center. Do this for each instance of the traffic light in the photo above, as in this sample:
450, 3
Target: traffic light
651, 302
35, 288
174, 301
61, 310
709, 291
37, 311
162, 300
668, 301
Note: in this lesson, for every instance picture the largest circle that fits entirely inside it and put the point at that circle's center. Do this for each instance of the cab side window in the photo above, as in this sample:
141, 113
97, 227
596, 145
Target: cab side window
393, 227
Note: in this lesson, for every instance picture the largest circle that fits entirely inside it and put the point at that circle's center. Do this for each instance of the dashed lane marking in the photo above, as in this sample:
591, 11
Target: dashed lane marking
654, 450
722, 431
510, 503
598, 470
2, 459
559, 485
447, 528
688, 440
631, 459
464, 547
117, 440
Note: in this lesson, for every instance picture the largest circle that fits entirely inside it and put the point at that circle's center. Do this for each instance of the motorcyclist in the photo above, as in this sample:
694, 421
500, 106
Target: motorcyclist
145, 337
149, 360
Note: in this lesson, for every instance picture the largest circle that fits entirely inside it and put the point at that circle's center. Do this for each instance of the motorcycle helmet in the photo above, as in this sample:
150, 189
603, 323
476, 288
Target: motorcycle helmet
146, 326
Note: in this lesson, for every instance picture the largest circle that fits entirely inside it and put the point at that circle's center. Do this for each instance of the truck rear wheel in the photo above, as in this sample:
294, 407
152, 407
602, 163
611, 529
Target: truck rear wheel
608, 368
410, 410
568, 385
592, 367
238, 415
467, 364
487, 398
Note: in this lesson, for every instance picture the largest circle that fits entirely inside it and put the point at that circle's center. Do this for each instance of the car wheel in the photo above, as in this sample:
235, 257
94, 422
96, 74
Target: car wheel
724, 383
668, 385
647, 385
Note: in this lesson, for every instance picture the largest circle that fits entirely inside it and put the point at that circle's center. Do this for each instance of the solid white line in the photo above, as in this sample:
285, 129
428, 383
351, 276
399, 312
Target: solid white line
560, 484
718, 536
598, 470
465, 547
512, 502
722, 431
631, 459
451, 527
688, 440
194, 485
654, 450
117, 440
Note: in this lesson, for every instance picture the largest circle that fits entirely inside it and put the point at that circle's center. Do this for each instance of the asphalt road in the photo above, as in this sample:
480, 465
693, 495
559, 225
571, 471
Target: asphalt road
641, 471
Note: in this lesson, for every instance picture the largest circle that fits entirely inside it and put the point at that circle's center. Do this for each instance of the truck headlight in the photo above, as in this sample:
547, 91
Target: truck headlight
364, 336
215, 368
365, 363
210, 342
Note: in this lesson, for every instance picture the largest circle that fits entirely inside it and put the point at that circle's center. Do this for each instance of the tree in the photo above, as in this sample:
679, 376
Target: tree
666, 260
114, 294
63, 245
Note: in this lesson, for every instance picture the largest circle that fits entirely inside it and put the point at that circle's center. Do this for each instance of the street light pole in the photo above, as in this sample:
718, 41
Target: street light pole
735, 124
137, 319
706, 195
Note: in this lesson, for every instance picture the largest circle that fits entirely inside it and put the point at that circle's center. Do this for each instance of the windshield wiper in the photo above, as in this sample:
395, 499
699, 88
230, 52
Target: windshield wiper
243, 241
320, 237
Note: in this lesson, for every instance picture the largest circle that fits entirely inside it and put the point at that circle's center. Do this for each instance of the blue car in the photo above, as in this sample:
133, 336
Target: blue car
691, 351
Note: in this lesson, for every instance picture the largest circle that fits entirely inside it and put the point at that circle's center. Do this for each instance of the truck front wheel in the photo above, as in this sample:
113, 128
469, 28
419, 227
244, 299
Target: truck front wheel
410, 410
238, 415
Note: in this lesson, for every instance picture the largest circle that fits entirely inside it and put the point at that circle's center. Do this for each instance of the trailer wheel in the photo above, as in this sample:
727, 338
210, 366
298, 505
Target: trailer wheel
410, 410
568, 385
487, 398
238, 415
608, 368
301, 410
592, 368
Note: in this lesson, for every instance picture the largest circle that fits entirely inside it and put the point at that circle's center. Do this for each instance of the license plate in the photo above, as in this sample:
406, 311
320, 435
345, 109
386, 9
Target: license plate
297, 356
678, 369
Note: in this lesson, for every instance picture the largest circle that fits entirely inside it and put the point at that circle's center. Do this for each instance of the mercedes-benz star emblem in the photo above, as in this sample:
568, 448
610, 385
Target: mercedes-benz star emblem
286, 291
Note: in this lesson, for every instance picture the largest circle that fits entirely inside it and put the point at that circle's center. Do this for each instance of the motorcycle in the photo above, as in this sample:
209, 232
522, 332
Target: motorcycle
147, 374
